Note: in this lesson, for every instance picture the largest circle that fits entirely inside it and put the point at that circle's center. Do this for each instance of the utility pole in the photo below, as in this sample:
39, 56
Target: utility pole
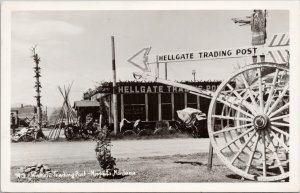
115, 107
166, 71
194, 73
37, 86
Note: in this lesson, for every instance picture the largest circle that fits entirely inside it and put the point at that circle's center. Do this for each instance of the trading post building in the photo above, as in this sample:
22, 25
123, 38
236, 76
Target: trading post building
147, 101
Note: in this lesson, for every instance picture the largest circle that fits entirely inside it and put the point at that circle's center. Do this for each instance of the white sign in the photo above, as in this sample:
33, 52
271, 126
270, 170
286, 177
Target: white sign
278, 45
208, 54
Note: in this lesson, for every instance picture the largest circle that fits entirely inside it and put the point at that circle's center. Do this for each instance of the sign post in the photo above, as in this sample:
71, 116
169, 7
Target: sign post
114, 87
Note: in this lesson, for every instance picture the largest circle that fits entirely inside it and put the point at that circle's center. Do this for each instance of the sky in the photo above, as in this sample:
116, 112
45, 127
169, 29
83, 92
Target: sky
75, 46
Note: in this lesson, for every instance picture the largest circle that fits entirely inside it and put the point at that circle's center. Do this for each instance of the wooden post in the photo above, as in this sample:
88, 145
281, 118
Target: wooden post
115, 107
122, 106
185, 100
173, 106
166, 71
159, 107
210, 157
100, 122
157, 68
146, 107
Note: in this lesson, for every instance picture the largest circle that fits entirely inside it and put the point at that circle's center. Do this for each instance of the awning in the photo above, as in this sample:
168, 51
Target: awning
86, 103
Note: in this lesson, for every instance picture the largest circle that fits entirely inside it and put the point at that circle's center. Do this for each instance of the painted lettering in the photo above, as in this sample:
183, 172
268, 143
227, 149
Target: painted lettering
149, 89
160, 89
126, 89
120, 89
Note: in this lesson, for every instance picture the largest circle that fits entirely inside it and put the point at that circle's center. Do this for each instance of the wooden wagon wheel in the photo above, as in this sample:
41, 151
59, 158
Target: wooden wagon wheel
254, 117
69, 132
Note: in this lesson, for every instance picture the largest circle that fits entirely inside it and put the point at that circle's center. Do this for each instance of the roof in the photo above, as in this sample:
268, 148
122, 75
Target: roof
86, 103
25, 112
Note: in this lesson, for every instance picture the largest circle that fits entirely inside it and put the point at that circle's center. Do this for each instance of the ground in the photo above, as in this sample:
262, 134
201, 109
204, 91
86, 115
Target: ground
152, 160
175, 168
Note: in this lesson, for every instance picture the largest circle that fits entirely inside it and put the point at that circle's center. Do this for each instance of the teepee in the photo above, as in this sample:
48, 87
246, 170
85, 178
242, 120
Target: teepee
66, 115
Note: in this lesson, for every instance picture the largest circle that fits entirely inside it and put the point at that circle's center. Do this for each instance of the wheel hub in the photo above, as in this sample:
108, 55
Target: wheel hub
261, 122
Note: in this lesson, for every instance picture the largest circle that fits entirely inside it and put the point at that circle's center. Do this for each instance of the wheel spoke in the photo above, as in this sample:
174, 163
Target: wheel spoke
251, 128
271, 91
249, 91
275, 153
280, 131
235, 107
252, 154
280, 124
287, 105
243, 147
238, 137
232, 128
264, 154
231, 118
280, 141
278, 99
280, 117
239, 96
261, 100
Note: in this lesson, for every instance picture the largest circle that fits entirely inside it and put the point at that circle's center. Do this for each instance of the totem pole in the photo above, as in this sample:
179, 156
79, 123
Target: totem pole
37, 85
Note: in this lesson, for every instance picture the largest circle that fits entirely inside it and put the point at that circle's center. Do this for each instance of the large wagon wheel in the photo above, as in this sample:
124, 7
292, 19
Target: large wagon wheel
252, 107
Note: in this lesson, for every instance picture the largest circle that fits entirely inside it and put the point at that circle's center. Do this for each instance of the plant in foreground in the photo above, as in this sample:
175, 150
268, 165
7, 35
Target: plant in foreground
103, 154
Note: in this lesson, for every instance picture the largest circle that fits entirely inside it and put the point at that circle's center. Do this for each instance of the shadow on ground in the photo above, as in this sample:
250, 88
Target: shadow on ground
189, 162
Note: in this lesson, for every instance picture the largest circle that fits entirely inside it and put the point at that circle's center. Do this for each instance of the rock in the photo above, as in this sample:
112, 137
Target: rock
34, 173
39, 165
33, 165
42, 170
21, 169
46, 167
27, 170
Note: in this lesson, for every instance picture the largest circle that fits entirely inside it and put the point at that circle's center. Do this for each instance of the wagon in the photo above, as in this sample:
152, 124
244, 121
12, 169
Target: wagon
248, 123
248, 117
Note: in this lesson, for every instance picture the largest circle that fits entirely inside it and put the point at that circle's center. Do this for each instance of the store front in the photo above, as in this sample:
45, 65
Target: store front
151, 101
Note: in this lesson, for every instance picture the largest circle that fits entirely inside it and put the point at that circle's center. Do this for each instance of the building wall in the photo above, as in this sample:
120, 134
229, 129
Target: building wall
154, 101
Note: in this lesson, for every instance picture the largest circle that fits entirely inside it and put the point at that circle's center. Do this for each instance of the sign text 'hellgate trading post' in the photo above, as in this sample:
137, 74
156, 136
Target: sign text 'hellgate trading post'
213, 54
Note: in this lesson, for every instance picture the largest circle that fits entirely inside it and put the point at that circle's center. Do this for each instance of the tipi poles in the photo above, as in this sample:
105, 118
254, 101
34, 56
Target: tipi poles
66, 113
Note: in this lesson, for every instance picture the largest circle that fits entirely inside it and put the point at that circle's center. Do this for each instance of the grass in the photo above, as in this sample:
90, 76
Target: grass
176, 168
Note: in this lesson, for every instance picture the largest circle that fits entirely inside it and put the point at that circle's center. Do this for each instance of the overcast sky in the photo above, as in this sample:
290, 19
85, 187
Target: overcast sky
76, 46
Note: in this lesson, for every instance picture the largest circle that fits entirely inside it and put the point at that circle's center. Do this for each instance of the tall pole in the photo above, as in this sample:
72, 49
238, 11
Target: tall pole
114, 86
194, 73
157, 68
37, 71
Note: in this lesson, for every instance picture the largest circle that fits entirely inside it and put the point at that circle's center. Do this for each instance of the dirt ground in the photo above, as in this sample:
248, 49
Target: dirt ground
66, 152
175, 168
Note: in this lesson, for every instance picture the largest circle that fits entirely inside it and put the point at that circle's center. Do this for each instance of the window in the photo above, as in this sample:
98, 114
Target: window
166, 106
153, 107
207, 87
178, 102
134, 107
191, 101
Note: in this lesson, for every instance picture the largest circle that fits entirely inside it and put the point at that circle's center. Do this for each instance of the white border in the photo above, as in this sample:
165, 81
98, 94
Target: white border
8, 7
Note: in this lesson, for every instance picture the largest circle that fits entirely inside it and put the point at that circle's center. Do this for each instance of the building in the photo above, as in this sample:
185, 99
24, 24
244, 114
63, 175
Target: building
148, 101
26, 114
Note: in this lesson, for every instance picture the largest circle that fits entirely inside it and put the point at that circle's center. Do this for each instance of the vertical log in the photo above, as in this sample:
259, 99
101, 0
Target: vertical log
115, 107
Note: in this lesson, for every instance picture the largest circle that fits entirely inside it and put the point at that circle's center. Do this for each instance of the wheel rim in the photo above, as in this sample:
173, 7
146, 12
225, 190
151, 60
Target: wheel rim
69, 132
251, 132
